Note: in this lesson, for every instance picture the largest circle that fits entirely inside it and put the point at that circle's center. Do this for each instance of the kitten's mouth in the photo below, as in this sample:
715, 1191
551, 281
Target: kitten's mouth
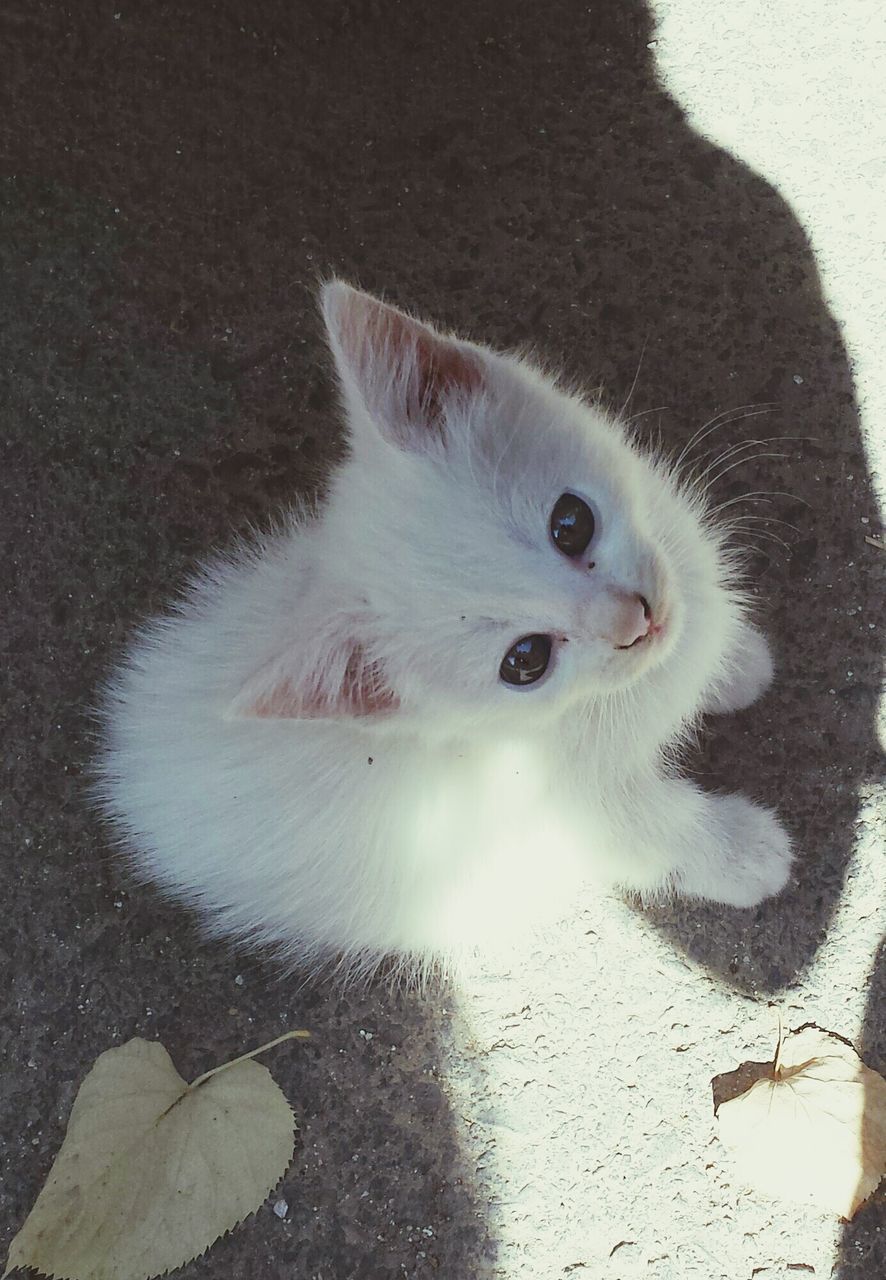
653, 635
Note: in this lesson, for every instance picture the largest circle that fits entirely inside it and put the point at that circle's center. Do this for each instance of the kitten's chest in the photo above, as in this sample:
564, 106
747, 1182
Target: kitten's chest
487, 836
484, 801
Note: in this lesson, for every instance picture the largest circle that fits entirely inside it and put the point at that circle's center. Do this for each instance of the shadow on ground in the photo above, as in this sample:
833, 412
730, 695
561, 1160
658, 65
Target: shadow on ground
177, 178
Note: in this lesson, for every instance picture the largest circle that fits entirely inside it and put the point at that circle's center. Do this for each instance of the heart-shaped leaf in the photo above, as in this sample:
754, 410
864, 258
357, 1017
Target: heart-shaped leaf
814, 1128
152, 1170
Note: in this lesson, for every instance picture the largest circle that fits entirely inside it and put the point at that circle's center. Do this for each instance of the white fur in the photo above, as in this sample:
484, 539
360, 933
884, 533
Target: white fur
315, 749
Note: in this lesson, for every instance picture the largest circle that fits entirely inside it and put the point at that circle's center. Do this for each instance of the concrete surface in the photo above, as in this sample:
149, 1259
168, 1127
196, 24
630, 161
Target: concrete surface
175, 176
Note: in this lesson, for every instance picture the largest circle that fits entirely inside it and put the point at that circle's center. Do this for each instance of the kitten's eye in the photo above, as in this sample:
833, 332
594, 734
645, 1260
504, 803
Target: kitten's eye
572, 524
526, 661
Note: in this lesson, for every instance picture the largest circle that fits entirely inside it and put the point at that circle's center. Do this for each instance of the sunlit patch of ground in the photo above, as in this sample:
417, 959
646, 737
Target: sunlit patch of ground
581, 1072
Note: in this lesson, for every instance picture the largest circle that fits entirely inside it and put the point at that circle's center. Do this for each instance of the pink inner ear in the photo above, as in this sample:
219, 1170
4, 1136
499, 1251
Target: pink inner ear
442, 368
385, 349
363, 692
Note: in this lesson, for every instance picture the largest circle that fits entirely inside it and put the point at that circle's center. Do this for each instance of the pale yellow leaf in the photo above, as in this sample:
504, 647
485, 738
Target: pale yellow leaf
151, 1171
814, 1132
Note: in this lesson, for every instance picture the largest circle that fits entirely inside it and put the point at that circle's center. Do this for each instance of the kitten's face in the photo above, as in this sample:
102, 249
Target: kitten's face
526, 567
513, 551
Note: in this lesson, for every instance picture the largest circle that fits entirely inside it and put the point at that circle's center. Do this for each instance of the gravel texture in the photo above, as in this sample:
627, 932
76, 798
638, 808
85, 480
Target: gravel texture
175, 178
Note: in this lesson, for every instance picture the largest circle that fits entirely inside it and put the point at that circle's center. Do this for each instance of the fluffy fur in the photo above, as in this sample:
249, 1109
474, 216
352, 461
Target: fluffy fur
315, 748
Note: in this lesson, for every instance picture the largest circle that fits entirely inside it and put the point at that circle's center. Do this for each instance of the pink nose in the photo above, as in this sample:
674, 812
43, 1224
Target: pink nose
632, 621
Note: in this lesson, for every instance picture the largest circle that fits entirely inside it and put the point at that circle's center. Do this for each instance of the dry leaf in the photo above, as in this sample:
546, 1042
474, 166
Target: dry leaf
815, 1130
152, 1170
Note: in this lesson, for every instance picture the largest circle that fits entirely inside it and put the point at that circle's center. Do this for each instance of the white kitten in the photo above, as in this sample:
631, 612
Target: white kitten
422, 719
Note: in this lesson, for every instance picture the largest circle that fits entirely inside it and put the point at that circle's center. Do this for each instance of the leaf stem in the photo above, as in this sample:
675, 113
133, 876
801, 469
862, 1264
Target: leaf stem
776, 1065
287, 1035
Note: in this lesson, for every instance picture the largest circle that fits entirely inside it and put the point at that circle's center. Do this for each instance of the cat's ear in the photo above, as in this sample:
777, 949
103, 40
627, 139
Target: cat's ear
400, 371
348, 685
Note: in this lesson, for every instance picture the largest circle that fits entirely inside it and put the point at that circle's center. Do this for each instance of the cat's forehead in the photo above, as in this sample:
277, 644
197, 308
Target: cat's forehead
484, 536
535, 442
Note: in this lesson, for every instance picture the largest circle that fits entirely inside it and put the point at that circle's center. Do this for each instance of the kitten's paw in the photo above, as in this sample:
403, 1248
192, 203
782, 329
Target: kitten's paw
750, 672
748, 859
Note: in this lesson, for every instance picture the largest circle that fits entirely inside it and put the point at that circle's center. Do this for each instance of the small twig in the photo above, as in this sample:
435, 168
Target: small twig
776, 1066
287, 1035
880, 543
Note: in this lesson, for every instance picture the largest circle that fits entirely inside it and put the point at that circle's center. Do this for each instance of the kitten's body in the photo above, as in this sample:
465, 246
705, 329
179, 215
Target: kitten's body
317, 749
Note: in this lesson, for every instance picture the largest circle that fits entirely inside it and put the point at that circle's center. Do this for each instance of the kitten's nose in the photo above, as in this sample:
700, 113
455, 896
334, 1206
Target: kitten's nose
632, 620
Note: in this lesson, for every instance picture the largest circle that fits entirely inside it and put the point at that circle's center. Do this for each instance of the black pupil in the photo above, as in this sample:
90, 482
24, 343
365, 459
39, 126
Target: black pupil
572, 524
526, 661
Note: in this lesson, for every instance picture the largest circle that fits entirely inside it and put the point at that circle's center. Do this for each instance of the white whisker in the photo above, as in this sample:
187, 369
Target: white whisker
740, 462
722, 419
636, 377
643, 413
734, 449
761, 520
758, 495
